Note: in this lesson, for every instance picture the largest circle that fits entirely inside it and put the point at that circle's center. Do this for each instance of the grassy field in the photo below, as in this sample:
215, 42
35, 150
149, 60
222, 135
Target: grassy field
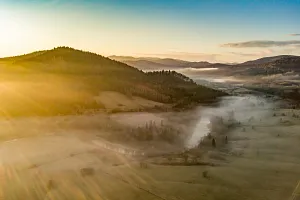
260, 163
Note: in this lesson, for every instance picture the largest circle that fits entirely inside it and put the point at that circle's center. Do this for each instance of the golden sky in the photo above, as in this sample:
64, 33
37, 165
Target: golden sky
189, 30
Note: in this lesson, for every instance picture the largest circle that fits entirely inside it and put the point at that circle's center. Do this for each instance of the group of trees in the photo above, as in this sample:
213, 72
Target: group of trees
160, 132
172, 76
148, 132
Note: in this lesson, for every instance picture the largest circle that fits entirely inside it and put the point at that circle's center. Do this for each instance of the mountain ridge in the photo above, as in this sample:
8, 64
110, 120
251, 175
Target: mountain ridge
152, 63
265, 60
76, 77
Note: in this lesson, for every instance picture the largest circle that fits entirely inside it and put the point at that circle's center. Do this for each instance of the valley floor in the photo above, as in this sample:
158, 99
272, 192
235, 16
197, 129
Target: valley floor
67, 158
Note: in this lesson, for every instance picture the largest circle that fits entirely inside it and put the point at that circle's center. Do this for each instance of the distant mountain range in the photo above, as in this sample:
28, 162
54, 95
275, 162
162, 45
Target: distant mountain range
262, 66
149, 63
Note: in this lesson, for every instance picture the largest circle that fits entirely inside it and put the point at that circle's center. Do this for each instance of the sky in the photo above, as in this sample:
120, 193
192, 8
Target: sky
195, 30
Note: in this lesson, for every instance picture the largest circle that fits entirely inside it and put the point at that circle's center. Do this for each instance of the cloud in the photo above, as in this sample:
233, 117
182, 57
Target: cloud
262, 43
294, 34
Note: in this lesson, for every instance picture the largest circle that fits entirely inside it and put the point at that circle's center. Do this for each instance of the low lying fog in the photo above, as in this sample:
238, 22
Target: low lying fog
197, 123
289, 76
243, 109
191, 69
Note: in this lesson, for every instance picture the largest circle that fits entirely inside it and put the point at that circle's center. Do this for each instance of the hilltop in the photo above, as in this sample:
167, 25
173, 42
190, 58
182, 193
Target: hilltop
65, 80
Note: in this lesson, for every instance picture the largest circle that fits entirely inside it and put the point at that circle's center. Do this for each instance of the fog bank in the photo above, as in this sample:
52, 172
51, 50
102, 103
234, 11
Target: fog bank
241, 109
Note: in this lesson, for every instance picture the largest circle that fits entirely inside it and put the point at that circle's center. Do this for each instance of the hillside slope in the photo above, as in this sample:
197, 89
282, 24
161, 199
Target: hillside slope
269, 66
265, 60
65, 80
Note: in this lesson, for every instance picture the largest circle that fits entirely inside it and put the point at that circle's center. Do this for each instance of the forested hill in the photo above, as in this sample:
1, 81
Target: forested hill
64, 78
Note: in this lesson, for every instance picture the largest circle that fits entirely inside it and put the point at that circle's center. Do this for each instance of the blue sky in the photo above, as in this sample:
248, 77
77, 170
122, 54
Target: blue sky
213, 30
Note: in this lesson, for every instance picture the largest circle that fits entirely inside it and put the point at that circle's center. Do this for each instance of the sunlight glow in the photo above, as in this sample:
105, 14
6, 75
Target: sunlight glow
11, 30
14, 32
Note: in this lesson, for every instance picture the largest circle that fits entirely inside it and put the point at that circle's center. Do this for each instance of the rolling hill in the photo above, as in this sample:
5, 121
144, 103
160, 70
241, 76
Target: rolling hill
149, 63
65, 80
265, 60
269, 66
